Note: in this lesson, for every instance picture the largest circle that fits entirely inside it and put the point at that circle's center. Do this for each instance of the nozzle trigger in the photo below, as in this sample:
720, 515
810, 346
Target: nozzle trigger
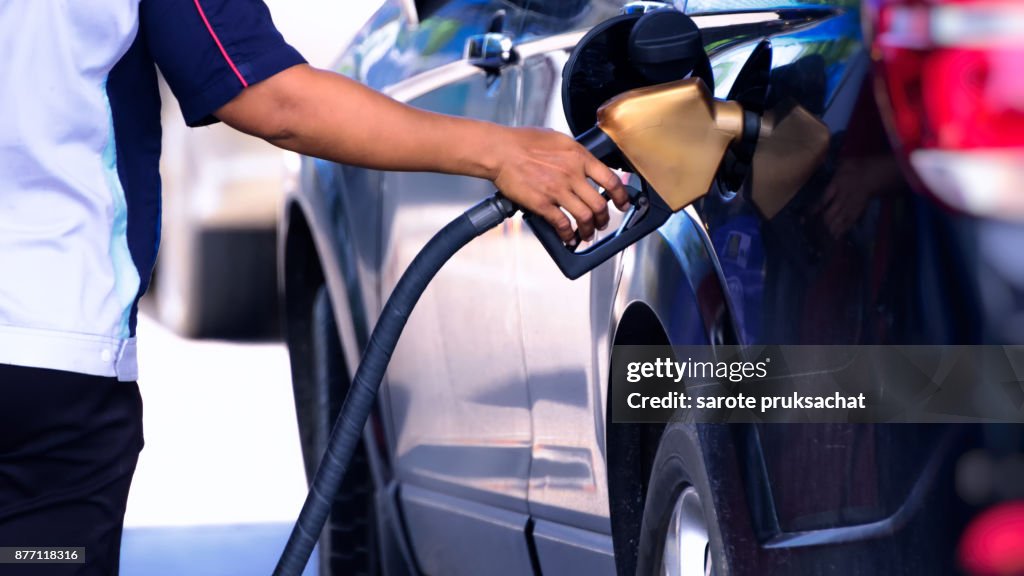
648, 212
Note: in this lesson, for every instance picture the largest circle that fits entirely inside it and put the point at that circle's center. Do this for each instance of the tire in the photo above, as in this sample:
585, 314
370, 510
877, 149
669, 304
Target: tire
679, 496
213, 282
348, 544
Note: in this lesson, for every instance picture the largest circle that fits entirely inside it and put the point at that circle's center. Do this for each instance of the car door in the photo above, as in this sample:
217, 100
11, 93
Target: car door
456, 389
568, 470
456, 377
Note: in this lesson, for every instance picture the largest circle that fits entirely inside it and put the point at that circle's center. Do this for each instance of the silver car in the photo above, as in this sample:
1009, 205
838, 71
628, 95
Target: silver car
491, 450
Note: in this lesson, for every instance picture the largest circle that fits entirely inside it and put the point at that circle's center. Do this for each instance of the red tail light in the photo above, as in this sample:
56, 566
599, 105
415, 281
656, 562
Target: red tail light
953, 82
993, 544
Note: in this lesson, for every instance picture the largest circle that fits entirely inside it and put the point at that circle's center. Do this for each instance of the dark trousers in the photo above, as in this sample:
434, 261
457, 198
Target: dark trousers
68, 448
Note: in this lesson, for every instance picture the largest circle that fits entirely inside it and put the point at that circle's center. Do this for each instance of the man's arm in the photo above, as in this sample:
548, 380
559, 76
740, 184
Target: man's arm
323, 114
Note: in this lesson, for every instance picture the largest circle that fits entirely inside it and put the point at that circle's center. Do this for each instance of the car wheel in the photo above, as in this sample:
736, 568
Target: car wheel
679, 534
348, 544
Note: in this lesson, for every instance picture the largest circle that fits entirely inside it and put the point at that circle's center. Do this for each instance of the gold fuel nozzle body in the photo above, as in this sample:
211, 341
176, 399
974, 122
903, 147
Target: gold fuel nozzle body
676, 134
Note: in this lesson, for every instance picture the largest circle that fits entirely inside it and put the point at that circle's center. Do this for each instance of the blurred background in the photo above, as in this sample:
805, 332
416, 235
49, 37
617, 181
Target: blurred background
216, 273
220, 418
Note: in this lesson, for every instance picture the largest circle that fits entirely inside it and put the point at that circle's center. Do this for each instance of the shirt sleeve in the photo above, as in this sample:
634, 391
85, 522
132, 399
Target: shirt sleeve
210, 50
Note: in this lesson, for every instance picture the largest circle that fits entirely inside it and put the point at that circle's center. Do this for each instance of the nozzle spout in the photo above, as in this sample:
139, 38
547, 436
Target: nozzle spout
598, 143
674, 135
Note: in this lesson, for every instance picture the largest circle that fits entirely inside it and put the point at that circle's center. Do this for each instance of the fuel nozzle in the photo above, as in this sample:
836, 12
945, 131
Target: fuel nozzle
635, 94
674, 136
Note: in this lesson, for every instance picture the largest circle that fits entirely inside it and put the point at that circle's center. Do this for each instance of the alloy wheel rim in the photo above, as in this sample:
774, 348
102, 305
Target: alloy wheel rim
686, 551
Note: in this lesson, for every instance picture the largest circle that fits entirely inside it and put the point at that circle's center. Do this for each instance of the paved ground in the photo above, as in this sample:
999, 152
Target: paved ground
220, 479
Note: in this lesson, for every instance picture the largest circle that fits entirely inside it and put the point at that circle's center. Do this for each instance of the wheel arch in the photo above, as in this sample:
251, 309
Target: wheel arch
631, 447
300, 274
671, 291
307, 262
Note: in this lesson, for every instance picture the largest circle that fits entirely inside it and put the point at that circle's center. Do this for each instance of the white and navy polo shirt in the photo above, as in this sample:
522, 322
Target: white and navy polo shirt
79, 153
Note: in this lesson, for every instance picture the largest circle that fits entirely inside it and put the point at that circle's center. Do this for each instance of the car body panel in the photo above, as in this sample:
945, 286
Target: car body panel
491, 538
456, 379
563, 549
674, 271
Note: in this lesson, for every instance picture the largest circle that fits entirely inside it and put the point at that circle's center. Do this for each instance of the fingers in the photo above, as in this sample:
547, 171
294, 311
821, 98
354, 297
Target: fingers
605, 178
547, 172
597, 204
581, 212
558, 220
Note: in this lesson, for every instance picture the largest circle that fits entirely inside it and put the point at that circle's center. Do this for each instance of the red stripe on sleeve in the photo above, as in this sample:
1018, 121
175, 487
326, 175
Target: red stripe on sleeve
213, 34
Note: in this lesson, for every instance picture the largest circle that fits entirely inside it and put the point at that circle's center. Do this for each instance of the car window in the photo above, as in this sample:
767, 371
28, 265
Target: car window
424, 8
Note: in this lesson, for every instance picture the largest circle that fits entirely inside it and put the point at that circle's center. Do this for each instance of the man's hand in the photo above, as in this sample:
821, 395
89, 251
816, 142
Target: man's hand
323, 114
542, 170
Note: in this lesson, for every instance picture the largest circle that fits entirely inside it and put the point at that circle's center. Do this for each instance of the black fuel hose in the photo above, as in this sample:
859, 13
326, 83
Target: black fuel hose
362, 395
